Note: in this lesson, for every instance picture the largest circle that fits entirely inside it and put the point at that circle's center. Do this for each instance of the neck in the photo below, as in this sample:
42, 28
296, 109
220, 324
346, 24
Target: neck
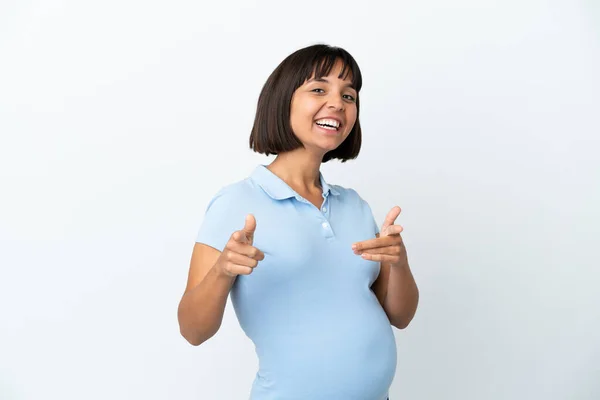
299, 169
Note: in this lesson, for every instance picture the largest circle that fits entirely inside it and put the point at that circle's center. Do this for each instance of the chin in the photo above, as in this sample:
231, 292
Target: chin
327, 148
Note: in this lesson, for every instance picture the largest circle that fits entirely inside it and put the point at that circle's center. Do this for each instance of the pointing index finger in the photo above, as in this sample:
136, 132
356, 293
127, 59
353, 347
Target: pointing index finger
390, 218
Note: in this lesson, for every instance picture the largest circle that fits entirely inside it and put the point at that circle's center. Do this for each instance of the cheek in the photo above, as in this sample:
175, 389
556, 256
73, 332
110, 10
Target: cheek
302, 113
351, 118
353, 111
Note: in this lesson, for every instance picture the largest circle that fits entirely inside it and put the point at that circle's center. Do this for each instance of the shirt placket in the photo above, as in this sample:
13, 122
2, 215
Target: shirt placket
323, 214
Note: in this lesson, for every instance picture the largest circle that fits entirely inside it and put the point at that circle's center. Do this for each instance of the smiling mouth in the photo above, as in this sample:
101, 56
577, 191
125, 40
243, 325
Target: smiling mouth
329, 124
328, 127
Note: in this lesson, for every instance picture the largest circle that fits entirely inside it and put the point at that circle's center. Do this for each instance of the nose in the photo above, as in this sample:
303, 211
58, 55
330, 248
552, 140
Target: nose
335, 102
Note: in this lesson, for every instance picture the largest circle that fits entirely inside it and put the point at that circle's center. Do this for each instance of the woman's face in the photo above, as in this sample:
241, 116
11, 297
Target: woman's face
323, 111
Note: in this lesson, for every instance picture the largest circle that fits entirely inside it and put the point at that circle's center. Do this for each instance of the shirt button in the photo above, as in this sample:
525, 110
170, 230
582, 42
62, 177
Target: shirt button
324, 209
324, 224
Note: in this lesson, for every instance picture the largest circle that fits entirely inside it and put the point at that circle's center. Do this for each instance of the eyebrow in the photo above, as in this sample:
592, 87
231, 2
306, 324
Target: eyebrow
326, 81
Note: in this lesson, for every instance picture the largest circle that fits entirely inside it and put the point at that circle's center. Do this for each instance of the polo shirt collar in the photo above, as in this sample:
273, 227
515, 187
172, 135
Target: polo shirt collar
276, 188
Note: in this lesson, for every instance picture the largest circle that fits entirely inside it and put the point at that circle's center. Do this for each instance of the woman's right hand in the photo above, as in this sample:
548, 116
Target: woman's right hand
240, 257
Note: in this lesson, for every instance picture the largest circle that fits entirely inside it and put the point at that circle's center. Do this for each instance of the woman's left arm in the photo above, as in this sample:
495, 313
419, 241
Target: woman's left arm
395, 287
402, 295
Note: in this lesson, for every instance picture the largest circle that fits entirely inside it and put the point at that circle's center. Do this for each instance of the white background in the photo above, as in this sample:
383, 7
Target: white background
120, 119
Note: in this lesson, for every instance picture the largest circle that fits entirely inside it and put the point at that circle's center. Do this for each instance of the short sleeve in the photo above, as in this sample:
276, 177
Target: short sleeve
367, 216
371, 217
223, 216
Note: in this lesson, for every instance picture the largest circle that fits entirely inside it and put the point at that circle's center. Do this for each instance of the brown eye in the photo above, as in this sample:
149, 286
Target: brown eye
349, 97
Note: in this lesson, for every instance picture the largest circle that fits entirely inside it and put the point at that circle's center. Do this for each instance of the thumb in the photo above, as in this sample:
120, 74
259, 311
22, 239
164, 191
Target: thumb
249, 227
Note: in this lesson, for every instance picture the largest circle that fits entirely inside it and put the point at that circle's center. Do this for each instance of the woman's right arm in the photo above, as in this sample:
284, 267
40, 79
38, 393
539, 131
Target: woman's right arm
201, 308
211, 276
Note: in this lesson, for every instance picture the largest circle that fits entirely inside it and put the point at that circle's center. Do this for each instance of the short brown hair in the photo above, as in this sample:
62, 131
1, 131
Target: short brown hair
272, 132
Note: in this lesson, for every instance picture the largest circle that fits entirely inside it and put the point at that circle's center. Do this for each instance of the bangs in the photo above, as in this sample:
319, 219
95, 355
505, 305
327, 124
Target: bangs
323, 62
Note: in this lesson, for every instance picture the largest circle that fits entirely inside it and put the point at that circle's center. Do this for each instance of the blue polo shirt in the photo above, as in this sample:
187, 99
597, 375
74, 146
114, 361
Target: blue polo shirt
318, 329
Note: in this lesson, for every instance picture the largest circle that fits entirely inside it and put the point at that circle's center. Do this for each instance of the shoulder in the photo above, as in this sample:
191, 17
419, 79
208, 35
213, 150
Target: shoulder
348, 194
352, 198
232, 194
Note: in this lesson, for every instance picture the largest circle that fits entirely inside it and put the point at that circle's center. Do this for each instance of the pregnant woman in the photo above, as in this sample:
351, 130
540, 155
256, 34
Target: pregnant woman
315, 283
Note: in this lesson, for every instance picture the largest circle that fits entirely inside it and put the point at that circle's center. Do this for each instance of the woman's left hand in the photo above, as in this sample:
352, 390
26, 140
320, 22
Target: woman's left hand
388, 247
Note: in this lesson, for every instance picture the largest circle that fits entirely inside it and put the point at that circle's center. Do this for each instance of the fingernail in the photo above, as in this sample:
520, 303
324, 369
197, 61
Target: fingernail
354, 247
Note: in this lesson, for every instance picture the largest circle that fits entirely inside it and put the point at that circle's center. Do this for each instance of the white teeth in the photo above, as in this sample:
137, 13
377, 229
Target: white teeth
331, 122
329, 128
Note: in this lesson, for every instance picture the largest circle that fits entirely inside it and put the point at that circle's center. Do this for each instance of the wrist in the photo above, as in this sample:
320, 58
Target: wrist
222, 275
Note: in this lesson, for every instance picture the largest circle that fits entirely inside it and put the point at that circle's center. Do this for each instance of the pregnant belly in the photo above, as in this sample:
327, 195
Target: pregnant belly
352, 356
